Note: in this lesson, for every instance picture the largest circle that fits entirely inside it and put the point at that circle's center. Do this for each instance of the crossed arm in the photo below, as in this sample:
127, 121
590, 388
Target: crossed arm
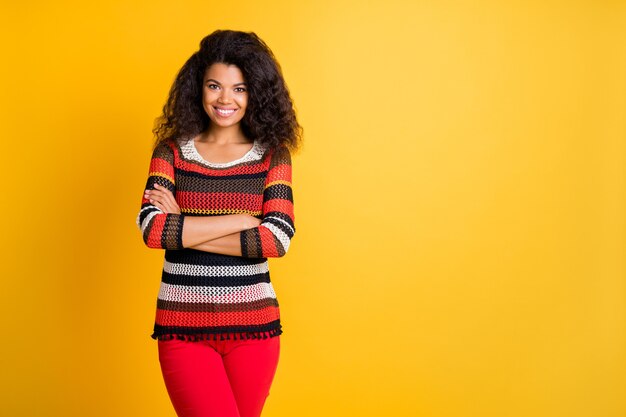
223, 231
164, 227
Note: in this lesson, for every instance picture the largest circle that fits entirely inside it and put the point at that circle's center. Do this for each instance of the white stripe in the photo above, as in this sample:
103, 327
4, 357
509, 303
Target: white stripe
146, 221
282, 236
215, 270
202, 294
278, 218
189, 151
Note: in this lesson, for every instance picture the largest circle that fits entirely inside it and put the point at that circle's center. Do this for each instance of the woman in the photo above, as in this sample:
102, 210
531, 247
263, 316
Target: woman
219, 201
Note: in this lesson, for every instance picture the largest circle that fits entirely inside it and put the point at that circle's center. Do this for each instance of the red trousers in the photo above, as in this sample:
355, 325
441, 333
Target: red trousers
219, 378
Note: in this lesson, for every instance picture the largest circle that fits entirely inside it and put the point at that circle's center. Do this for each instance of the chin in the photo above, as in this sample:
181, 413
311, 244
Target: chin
221, 123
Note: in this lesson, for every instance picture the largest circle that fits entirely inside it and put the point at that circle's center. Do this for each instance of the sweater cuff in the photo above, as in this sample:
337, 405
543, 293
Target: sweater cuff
172, 237
251, 243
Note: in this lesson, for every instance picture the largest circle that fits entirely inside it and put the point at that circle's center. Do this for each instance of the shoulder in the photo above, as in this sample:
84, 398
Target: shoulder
164, 150
281, 155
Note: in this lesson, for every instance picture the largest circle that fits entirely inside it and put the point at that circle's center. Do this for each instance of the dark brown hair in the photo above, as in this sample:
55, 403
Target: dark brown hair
270, 116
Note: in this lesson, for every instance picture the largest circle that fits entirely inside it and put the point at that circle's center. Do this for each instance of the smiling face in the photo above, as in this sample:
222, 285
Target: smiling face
224, 94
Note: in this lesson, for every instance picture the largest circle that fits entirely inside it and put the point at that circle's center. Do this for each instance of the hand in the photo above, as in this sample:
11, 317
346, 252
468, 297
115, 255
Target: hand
163, 199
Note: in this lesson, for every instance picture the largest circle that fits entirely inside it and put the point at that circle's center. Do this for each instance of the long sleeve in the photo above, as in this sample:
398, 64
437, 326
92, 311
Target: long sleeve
160, 230
272, 237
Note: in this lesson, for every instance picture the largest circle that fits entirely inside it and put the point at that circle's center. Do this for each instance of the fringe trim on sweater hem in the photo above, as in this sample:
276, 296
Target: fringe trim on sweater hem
219, 336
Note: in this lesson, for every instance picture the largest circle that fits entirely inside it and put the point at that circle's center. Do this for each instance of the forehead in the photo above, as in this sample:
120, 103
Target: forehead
224, 73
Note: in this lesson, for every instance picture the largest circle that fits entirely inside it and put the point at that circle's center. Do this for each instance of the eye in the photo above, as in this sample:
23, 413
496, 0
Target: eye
240, 89
212, 86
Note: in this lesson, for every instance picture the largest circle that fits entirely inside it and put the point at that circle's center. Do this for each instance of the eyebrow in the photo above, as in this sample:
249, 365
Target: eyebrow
217, 82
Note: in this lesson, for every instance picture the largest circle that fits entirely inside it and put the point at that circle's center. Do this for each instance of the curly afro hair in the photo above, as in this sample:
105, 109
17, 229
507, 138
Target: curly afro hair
270, 117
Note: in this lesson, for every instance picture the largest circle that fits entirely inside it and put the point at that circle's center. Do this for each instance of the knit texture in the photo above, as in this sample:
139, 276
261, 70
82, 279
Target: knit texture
206, 295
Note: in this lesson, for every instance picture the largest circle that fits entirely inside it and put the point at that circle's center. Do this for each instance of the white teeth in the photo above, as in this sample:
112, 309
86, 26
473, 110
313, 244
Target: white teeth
225, 112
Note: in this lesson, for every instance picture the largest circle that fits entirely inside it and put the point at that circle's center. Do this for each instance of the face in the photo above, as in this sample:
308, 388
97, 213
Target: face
224, 94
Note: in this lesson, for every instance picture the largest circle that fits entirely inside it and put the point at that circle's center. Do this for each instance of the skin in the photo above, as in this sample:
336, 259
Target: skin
223, 87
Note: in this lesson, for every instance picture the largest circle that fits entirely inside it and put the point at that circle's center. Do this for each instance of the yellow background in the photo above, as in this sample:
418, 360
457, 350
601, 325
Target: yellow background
459, 205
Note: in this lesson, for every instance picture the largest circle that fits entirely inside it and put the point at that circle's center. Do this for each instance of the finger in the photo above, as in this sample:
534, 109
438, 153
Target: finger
162, 198
172, 205
168, 203
157, 201
166, 200
162, 189
155, 193
158, 205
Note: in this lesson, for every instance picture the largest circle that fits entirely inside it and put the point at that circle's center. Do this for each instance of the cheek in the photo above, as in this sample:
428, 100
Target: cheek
205, 104
207, 99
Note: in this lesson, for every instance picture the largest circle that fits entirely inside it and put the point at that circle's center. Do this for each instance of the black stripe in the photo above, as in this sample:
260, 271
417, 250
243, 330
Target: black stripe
198, 307
149, 208
280, 225
159, 330
152, 179
204, 176
257, 240
191, 256
168, 227
281, 215
244, 246
221, 281
179, 231
278, 190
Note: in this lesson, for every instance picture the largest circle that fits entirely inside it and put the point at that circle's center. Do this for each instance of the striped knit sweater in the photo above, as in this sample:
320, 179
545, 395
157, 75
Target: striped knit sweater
208, 295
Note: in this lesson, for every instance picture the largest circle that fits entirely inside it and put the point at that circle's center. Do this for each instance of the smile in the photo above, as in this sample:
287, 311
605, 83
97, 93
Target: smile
224, 112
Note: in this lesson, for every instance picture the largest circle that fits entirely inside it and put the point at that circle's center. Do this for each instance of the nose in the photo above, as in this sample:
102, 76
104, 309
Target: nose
224, 97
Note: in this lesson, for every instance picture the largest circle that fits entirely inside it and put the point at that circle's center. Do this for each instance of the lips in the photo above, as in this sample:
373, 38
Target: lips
223, 112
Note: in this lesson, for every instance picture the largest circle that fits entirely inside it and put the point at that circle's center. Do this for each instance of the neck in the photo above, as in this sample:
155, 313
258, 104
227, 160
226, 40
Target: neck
223, 135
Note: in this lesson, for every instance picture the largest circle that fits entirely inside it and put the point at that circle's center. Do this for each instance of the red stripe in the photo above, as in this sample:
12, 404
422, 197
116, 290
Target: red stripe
222, 172
206, 200
154, 238
268, 242
202, 318
279, 172
279, 204
161, 165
